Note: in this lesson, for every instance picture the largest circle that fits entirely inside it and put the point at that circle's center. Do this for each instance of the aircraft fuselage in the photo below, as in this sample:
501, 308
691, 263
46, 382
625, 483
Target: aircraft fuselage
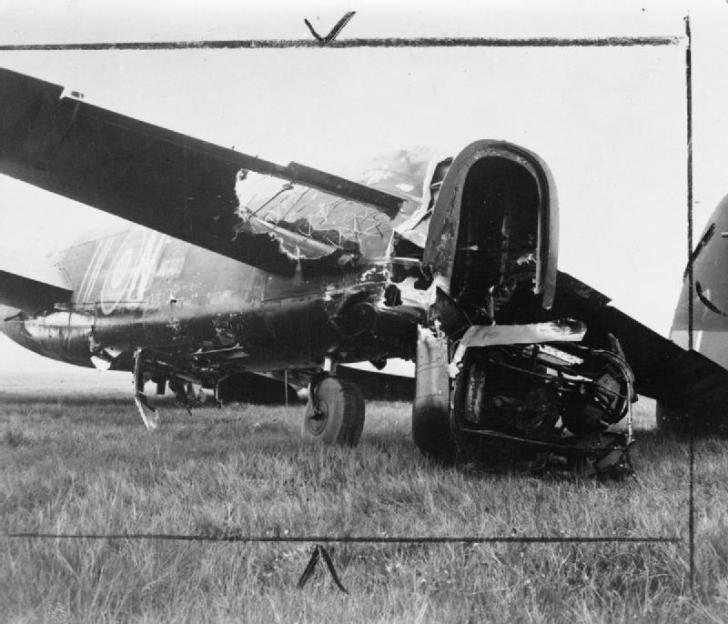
138, 286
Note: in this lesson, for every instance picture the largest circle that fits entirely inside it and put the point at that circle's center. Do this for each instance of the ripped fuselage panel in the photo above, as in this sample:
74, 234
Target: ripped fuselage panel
140, 287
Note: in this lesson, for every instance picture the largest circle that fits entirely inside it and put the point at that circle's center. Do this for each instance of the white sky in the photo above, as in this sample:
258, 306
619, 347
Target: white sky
610, 122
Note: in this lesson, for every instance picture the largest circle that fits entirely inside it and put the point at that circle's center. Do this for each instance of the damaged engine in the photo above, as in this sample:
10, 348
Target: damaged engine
500, 378
543, 401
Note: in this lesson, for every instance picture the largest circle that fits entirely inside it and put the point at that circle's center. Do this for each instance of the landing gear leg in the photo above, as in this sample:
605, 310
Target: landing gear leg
431, 429
334, 413
185, 394
147, 412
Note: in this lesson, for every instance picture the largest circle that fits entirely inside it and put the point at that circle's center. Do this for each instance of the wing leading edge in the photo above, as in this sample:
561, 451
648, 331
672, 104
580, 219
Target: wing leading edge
162, 179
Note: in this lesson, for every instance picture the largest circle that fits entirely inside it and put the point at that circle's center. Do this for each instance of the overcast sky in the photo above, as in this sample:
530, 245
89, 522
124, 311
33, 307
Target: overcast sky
610, 122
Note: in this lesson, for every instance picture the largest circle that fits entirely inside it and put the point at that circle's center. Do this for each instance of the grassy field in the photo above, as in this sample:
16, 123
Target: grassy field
74, 457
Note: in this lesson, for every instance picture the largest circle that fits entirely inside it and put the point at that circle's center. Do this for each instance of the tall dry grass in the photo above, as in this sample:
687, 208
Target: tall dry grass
73, 460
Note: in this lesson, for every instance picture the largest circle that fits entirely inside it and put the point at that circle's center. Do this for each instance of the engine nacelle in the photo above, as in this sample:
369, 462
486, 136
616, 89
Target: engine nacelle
491, 374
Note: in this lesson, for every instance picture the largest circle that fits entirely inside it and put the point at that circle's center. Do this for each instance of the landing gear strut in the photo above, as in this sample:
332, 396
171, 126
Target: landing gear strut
185, 394
147, 412
334, 413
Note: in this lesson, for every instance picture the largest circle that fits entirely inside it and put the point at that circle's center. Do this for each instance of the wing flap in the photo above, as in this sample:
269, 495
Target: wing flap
155, 177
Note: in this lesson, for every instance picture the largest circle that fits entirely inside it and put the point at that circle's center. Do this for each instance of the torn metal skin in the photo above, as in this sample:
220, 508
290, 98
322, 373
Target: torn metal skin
250, 266
499, 370
355, 286
210, 315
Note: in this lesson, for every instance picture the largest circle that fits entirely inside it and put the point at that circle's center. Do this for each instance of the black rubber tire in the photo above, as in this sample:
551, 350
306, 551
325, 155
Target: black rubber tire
670, 421
665, 418
334, 413
702, 421
468, 392
431, 433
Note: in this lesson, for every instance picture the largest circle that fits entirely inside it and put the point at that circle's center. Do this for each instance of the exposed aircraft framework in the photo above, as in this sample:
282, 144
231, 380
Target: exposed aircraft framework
238, 265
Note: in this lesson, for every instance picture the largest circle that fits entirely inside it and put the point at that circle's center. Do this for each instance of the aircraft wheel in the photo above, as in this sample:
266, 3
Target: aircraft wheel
431, 407
431, 432
334, 413
664, 418
671, 421
702, 421
468, 397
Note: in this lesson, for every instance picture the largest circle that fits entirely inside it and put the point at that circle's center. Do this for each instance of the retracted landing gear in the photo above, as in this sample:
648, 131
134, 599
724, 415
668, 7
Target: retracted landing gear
334, 413
147, 412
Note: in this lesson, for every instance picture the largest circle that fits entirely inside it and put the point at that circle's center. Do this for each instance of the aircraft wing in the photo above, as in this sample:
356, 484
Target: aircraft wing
30, 286
173, 183
682, 381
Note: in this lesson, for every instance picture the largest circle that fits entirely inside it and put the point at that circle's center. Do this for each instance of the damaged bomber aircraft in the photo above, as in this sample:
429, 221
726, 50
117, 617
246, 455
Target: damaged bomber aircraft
236, 267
